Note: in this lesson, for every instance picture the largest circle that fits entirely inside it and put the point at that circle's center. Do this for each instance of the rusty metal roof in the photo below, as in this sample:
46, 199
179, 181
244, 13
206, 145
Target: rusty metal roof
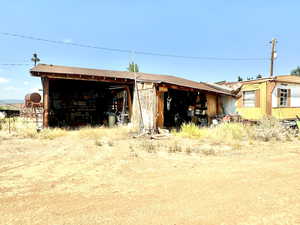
146, 77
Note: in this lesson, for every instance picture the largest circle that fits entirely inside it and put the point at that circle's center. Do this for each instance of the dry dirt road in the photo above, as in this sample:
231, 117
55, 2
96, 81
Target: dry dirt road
63, 181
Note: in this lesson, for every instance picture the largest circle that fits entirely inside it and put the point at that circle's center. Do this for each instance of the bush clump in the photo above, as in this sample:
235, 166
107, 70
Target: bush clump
270, 128
230, 133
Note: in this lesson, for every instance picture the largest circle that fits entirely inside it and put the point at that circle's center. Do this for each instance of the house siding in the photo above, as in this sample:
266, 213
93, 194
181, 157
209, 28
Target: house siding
286, 112
254, 113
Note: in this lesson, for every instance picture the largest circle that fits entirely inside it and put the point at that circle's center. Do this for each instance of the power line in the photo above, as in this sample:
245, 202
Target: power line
15, 64
129, 51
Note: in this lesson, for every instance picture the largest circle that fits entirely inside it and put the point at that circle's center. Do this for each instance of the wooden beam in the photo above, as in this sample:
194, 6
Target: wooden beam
180, 88
160, 109
46, 101
86, 78
270, 87
129, 101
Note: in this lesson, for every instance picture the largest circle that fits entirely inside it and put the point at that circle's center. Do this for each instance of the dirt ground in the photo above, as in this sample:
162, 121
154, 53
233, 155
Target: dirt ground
76, 180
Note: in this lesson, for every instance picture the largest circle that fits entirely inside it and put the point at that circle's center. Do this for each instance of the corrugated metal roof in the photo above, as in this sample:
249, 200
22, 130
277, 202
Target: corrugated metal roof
155, 78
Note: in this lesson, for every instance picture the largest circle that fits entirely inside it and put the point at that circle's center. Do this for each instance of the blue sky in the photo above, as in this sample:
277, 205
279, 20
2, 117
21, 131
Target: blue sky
220, 28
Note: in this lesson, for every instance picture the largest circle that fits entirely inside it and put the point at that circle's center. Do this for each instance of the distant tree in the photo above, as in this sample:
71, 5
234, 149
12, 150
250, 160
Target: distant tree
133, 67
240, 78
258, 76
296, 71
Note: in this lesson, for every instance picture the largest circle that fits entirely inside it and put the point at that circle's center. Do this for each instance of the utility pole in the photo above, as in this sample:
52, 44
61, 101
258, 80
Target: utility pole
273, 55
35, 58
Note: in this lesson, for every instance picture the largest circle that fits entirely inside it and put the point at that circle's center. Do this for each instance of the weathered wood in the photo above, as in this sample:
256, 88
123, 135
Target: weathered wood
145, 108
129, 101
160, 109
180, 88
87, 78
289, 98
257, 98
46, 101
212, 106
162, 89
240, 101
219, 108
270, 87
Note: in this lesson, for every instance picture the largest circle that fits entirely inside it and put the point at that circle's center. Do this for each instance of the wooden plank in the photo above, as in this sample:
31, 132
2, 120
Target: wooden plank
219, 105
87, 78
270, 87
129, 101
46, 101
278, 97
180, 88
212, 106
257, 98
160, 110
240, 101
162, 89
289, 98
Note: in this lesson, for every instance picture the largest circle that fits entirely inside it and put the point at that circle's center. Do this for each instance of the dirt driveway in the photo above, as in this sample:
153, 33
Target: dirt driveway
59, 182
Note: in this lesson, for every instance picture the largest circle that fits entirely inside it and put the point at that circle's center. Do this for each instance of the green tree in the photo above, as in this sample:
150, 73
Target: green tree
240, 78
133, 67
258, 76
296, 71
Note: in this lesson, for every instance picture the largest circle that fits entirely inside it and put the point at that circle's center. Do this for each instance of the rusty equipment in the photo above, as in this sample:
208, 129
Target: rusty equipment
33, 100
34, 108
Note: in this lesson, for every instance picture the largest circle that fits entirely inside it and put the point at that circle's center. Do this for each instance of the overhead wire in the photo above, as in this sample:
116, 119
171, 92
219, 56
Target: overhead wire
130, 51
15, 64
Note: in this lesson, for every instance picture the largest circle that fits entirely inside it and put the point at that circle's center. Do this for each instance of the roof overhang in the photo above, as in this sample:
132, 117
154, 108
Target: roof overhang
76, 73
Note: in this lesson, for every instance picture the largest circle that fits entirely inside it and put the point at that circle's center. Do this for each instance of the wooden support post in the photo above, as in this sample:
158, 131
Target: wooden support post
270, 87
129, 102
160, 109
45, 83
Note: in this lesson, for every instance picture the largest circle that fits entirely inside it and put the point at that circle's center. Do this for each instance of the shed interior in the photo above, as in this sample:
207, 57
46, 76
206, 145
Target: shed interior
182, 106
76, 103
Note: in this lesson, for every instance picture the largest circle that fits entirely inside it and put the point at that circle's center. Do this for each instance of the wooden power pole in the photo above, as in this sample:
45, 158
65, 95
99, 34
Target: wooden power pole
35, 58
273, 55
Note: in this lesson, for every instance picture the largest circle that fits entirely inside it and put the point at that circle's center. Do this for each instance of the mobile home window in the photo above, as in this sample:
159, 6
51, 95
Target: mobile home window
249, 98
283, 97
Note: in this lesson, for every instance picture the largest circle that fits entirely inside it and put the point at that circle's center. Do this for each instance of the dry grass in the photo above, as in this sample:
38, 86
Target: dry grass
271, 129
68, 177
24, 128
234, 134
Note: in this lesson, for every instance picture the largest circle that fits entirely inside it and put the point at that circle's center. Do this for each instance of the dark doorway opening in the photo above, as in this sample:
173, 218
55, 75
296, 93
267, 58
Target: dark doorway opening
76, 103
184, 107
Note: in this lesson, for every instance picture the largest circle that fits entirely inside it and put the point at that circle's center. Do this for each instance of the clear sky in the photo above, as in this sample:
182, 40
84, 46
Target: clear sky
219, 28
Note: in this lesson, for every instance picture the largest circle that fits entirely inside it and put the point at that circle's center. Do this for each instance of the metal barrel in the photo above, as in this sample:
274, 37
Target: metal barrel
32, 98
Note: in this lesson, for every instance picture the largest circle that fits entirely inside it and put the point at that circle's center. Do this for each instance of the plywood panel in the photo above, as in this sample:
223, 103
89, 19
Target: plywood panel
144, 111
